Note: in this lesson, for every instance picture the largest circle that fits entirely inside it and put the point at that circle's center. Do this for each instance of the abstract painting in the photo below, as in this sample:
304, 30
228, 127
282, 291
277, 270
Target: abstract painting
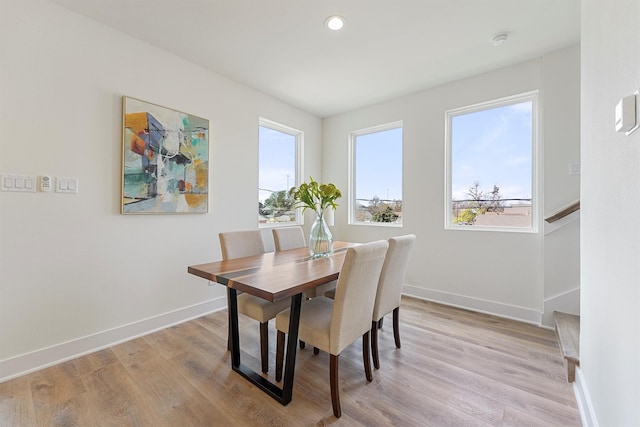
165, 160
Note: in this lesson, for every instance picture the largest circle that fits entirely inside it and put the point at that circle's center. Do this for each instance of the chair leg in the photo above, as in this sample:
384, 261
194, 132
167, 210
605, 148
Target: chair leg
316, 350
380, 322
366, 357
396, 326
279, 354
333, 378
302, 344
264, 346
374, 344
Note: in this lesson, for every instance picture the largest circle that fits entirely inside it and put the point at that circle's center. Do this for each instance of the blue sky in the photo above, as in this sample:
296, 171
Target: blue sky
378, 169
493, 147
277, 152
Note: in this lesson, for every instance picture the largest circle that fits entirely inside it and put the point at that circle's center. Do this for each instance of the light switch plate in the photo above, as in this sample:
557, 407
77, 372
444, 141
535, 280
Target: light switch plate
18, 183
66, 185
627, 114
574, 168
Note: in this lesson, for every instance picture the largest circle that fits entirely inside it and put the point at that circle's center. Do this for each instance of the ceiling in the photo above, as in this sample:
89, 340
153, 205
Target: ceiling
387, 48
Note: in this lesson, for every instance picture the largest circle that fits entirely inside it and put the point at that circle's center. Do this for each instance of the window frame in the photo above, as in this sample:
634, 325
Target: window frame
532, 96
353, 135
299, 156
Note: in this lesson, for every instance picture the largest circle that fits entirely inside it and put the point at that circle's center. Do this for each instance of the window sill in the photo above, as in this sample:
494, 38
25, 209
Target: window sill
278, 224
379, 224
529, 230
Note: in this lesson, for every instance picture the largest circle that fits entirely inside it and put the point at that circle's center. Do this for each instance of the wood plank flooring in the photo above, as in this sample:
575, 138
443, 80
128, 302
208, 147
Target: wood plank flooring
455, 368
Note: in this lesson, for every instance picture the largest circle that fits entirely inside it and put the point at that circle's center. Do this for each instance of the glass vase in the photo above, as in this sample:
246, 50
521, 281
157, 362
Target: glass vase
320, 239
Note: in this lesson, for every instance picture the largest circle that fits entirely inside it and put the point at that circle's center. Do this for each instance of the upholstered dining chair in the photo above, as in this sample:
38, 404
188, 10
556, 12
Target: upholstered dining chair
333, 325
285, 238
238, 244
390, 289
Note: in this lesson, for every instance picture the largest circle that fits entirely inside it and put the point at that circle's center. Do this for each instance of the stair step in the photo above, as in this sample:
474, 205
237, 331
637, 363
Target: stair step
568, 330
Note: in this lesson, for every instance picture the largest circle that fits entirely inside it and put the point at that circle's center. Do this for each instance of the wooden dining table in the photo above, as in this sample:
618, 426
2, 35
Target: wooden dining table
272, 276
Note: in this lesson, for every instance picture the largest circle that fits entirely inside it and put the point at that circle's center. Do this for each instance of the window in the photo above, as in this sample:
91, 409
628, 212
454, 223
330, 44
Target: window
491, 173
376, 175
279, 169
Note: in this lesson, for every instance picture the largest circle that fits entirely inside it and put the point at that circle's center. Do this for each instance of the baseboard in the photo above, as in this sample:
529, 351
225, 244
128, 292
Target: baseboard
43, 358
567, 302
583, 399
483, 306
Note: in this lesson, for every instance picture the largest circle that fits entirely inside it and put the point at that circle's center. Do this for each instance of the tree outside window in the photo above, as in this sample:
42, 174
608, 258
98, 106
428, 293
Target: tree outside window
279, 151
491, 156
376, 177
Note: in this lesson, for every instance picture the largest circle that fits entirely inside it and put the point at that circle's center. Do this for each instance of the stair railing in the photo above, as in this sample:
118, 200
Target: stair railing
563, 212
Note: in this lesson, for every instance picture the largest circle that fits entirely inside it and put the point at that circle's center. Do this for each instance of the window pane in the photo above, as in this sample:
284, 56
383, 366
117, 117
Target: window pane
377, 176
277, 174
492, 166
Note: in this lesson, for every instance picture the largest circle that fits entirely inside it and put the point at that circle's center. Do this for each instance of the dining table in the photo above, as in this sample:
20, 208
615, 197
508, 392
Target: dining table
272, 276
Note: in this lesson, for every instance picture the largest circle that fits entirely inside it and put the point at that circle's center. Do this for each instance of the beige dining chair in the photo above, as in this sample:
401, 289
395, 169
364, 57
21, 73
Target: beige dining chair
285, 238
238, 244
333, 325
390, 289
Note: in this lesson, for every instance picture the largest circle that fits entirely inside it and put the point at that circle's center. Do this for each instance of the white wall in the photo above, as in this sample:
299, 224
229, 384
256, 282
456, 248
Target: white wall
496, 272
609, 376
74, 273
561, 247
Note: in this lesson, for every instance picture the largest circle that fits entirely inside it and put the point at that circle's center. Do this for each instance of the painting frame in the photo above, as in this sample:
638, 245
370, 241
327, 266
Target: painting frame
165, 160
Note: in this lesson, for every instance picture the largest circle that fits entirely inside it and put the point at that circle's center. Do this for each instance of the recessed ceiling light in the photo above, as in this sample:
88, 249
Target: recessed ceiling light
499, 39
335, 22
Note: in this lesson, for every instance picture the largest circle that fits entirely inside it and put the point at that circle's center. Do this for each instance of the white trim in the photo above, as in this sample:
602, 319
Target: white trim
378, 224
507, 311
566, 302
587, 414
49, 356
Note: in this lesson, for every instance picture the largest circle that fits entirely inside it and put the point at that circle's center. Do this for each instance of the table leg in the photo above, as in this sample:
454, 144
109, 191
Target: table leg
292, 345
284, 394
232, 299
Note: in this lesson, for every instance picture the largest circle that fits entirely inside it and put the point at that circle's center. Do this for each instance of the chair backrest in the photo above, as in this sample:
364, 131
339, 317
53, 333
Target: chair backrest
288, 238
238, 244
392, 275
356, 294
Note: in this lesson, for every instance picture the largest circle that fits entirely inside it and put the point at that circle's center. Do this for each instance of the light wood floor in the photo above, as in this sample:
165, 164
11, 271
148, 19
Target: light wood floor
455, 368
